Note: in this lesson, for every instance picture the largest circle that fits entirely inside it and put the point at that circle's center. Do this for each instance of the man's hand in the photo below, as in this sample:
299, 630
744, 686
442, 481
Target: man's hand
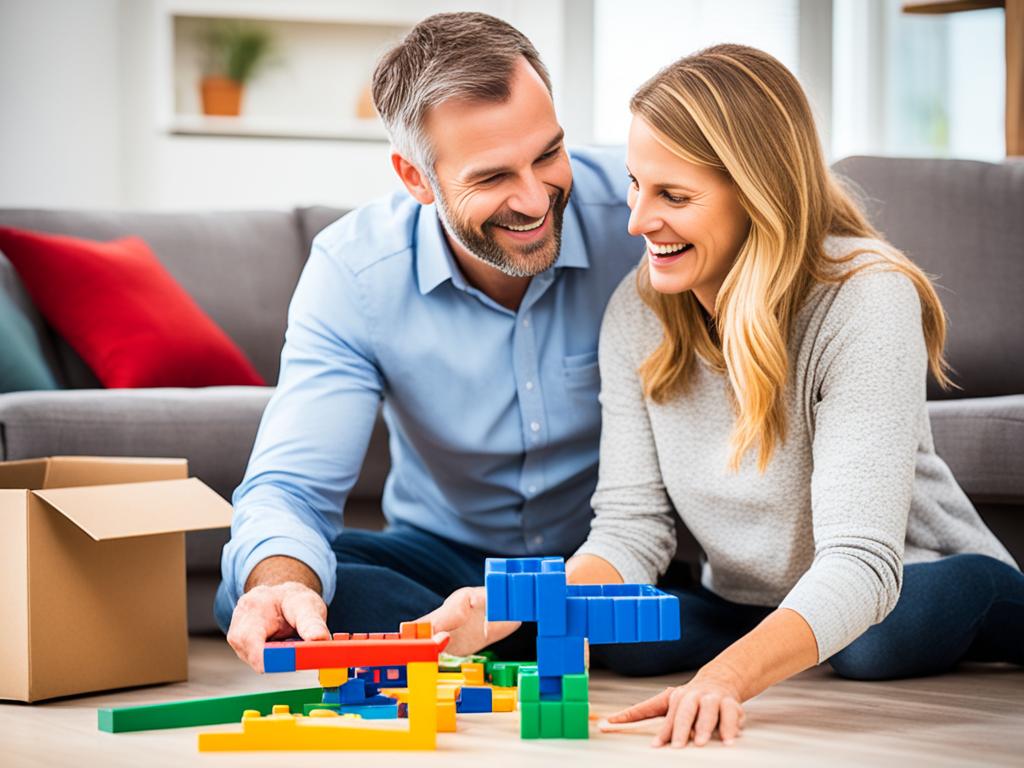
282, 599
464, 616
699, 708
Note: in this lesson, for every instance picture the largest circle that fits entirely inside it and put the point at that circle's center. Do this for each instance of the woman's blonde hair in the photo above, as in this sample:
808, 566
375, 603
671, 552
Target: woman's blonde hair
739, 110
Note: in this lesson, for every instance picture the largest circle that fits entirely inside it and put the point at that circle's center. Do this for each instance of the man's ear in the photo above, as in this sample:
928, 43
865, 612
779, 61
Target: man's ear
413, 178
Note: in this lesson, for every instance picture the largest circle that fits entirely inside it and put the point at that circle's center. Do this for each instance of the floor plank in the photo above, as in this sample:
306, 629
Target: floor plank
975, 716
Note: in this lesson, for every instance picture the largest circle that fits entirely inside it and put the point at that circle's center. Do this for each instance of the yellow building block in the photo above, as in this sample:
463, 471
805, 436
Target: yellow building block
332, 678
282, 730
473, 673
503, 699
446, 716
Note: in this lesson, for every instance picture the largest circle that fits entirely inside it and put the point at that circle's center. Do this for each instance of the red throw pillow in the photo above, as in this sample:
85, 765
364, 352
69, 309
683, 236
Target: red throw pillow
118, 307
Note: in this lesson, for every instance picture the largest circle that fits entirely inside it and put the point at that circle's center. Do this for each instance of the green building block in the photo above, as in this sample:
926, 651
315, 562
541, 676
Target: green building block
529, 684
529, 720
575, 687
551, 719
446, 662
575, 719
182, 714
505, 673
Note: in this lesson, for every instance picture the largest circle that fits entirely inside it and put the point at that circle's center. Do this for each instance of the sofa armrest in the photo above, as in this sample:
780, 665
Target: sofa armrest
982, 441
213, 427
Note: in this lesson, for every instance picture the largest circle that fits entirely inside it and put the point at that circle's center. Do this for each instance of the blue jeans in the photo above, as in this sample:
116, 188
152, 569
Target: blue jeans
959, 608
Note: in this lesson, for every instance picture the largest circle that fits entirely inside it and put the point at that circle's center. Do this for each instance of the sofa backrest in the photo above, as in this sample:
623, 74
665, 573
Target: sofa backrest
240, 266
962, 221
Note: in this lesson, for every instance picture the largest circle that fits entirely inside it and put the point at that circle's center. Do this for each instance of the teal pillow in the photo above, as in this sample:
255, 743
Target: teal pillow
22, 365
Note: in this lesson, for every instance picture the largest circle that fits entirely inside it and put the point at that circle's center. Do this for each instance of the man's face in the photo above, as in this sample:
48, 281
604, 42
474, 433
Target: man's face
502, 177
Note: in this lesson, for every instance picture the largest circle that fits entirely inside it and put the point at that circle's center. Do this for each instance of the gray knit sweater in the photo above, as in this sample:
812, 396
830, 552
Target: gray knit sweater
855, 491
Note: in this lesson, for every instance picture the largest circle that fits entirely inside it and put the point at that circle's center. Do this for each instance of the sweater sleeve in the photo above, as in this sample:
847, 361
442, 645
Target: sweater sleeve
634, 523
870, 390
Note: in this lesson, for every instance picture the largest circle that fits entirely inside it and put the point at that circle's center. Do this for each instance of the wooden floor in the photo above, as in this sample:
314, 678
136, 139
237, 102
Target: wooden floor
972, 717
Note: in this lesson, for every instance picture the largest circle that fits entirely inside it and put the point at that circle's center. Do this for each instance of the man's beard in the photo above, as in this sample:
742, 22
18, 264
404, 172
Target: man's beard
525, 261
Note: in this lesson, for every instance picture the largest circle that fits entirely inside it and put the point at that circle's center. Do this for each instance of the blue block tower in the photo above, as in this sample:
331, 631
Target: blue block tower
554, 696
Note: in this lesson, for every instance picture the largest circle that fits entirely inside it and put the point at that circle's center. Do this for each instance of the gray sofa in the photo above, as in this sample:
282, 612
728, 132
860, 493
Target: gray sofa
958, 219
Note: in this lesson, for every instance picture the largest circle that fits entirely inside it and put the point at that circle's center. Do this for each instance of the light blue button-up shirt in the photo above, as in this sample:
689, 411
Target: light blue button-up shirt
493, 414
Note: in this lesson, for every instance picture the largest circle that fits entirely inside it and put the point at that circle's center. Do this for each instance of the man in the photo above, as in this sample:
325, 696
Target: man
470, 306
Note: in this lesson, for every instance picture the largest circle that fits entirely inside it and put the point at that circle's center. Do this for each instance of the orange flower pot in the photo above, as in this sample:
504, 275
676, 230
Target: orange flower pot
221, 96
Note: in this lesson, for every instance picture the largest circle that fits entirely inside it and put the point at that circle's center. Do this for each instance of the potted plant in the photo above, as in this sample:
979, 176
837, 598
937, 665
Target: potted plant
235, 52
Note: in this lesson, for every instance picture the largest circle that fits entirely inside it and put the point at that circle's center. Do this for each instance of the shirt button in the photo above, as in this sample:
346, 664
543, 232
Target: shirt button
532, 489
526, 322
538, 540
529, 385
535, 426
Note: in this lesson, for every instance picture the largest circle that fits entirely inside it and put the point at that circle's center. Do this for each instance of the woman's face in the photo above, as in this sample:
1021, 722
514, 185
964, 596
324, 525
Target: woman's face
689, 215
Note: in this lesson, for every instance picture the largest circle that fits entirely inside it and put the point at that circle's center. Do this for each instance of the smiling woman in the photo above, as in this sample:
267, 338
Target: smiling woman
763, 377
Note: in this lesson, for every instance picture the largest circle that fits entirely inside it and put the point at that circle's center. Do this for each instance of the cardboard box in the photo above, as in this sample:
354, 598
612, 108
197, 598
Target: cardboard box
92, 572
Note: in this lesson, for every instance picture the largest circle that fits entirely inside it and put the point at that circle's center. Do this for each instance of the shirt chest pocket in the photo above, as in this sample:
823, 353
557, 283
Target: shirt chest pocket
581, 374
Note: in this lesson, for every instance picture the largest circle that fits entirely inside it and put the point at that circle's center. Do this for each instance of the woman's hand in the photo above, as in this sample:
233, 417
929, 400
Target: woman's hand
699, 707
464, 616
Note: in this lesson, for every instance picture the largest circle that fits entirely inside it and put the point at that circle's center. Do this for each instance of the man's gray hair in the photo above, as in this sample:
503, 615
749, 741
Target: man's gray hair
467, 56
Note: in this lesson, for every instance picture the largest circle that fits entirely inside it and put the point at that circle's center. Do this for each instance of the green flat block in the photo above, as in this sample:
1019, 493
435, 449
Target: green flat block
551, 719
575, 687
529, 684
529, 720
446, 662
575, 719
182, 714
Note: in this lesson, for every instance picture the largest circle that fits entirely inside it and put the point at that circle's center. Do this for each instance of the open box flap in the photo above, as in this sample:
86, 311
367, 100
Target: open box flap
140, 509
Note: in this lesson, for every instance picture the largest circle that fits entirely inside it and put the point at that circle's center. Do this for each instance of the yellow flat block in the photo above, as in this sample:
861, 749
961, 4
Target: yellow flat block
295, 732
332, 678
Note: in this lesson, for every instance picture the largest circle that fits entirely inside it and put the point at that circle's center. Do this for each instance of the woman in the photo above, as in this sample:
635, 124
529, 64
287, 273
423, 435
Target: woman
763, 375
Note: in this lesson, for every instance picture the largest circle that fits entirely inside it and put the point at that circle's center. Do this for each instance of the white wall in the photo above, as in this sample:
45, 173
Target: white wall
87, 99
60, 128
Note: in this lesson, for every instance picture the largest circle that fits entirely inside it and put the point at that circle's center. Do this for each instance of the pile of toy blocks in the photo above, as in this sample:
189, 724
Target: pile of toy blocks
554, 695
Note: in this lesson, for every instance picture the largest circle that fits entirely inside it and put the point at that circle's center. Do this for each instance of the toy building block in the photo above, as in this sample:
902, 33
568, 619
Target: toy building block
393, 676
192, 712
551, 687
559, 655
446, 717
473, 674
625, 610
505, 673
576, 687
529, 720
293, 655
332, 678
529, 684
575, 719
473, 699
327, 731
372, 711
503, 700
551, 596
600, 620
449, 663
550, 719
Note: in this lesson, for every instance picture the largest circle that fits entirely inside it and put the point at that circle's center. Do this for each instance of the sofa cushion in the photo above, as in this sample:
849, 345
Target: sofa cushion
240, 267
124, 313
982, 441
315, 218
960, 221
21, 358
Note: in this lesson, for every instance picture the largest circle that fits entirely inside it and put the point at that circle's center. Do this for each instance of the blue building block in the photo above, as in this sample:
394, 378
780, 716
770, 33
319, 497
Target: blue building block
474, 699
551, 687
382, 677
576, 616
372, 711
559, 655
647, 623
522, 597
496, 584
668, 613
600, 620
279, 659
625, 618
551, 599
355, 691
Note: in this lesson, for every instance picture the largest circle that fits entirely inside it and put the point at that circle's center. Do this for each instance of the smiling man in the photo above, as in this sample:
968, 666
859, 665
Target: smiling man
470, 305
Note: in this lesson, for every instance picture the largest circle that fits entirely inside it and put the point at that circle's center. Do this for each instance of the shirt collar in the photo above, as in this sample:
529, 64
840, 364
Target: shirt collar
435, 262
